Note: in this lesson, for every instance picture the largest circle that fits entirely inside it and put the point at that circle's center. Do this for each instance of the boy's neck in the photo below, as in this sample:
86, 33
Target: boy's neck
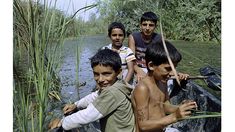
116, 47
159, 83
146, 38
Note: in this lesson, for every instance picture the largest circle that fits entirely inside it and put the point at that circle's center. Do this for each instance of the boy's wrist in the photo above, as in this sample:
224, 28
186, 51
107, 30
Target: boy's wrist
174, 117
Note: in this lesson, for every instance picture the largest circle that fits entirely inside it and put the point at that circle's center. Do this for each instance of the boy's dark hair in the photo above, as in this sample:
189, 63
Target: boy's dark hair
116, 25
149, 16
107, 57
155, 52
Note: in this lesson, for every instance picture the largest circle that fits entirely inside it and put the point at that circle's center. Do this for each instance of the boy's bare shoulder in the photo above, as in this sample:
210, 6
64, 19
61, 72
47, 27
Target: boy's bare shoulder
142, 86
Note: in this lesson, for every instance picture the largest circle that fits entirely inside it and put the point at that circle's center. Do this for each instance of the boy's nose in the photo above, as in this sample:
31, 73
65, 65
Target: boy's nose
147, 27
117, 37
101, 78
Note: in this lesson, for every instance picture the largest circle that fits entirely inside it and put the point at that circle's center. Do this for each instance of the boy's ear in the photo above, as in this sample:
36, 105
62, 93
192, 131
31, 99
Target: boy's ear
151, 66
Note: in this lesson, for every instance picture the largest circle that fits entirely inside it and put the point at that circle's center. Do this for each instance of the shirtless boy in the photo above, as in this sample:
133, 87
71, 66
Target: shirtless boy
150, 99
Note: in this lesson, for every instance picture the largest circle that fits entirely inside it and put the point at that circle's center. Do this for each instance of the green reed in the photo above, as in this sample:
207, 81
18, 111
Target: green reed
21, 110
39, 33
34, 30
78, 55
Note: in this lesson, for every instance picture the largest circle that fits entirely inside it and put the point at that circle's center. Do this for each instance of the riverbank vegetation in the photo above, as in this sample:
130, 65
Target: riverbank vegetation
197, 20
39, 31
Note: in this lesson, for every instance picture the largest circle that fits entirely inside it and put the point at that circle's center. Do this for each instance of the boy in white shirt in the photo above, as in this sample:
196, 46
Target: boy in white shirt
111, 103
116, 33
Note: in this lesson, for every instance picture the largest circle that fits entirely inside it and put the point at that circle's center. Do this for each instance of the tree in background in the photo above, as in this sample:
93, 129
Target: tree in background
197, 20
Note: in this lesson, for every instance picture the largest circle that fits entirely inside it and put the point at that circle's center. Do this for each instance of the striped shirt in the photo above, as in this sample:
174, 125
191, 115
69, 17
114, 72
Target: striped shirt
126, 55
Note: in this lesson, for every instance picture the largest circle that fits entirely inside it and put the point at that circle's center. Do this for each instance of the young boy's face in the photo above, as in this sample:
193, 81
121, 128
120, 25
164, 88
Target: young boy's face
117, 37
104, 75
162, 72
147, 27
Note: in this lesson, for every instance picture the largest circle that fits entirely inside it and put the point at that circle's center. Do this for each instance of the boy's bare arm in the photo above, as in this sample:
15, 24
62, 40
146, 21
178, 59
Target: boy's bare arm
141, 96
139, 72
130, 66
131, 43
169, 108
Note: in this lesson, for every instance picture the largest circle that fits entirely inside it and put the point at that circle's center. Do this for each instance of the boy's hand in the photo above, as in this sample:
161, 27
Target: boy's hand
184, 109
128, 84
54, 124
183, 76
69, 108
187, 101
140, 75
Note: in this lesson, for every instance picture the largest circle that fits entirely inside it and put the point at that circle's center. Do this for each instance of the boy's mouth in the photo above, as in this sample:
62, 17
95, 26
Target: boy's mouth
117, 42
103, 85
165, 79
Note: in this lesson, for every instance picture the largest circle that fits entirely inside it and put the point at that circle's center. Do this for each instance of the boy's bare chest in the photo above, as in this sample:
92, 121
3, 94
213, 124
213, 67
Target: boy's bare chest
157, 98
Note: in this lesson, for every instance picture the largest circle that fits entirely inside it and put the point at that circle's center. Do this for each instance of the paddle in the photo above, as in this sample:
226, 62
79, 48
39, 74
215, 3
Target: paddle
192, 77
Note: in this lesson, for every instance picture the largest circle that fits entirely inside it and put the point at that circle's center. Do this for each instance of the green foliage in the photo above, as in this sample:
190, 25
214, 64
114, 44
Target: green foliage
198, 20
77, 27
125, 12
91, 27
192, 20
38, 32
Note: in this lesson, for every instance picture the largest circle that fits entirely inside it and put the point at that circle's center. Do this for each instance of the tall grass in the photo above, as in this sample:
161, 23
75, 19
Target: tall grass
39, 31
35, 27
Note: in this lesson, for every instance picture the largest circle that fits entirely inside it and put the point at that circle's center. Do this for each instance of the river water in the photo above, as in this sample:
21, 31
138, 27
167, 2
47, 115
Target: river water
77, 80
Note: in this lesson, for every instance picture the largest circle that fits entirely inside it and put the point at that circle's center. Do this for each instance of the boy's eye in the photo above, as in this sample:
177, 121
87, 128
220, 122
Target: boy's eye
151, 25
106, 74
168, 69
114, 35
95, 74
